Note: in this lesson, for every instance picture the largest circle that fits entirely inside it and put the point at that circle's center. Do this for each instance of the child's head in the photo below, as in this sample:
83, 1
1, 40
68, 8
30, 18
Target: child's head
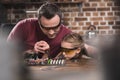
71, 45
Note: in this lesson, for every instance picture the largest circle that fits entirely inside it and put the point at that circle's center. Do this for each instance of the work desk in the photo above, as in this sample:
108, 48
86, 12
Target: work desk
71, 70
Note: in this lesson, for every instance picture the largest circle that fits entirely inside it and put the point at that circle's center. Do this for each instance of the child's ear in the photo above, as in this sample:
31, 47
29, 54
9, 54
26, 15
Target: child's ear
78, 50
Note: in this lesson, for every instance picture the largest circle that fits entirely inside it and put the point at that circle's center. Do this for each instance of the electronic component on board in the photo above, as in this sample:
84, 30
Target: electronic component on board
49, 62
32, 59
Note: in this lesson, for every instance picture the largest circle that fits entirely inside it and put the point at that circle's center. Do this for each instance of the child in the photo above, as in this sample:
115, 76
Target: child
73, 47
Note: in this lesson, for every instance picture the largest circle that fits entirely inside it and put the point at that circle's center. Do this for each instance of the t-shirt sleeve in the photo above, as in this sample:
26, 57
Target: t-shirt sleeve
17, 32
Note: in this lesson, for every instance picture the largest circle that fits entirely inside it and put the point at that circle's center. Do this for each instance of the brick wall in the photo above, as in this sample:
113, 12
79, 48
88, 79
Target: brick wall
104, 14
3, 14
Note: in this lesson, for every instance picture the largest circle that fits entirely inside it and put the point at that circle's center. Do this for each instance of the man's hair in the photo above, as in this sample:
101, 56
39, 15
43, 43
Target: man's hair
49, 10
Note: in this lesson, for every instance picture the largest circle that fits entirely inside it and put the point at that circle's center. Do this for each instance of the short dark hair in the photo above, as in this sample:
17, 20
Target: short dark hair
49, 10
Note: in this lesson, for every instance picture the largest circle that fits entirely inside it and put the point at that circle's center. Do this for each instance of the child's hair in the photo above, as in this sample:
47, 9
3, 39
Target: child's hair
77, 41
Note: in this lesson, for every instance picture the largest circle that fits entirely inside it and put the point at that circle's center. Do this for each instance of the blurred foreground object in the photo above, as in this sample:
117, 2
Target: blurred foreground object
110, 48
11, 62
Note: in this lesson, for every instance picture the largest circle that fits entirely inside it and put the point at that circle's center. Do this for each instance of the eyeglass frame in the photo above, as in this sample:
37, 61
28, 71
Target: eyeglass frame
67, 50
49, 28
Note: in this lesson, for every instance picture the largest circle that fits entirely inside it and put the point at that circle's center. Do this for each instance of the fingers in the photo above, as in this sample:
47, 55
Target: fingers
41, 46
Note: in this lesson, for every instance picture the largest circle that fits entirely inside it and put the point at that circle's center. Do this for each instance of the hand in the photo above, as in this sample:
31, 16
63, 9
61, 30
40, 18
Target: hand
41, 46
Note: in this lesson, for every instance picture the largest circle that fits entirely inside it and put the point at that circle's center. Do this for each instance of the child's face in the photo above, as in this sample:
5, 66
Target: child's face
68, 50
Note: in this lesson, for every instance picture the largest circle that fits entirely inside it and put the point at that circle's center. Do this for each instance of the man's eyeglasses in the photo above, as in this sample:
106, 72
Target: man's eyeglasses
49, 28
66, 50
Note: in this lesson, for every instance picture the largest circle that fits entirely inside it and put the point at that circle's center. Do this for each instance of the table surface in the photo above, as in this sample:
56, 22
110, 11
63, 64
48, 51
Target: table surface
71, 70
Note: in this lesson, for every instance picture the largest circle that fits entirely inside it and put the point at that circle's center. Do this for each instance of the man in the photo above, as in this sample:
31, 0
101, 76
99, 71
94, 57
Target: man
42, 34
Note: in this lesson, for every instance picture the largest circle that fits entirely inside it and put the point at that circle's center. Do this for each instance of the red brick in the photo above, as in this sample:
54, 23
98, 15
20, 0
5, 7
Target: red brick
117, 13
102, 13
66, 23
75, 28
84, 28
67, 19
115, 8
110, 18
30, 16
116, 27
79, 0
88, 23
111, 23
67, 10
96, 19
95, 23
116, 3
95, 13
117, 23
66, 14
89, 9
80, 14
110, 13
88, 14
94, 4
74, 9
103, 9
102, 4
73, 5
80, 19
103, 27
81, 23
87, 4
94, 0
67, 0
73, 23
103, 23
110, 4
73, 14
109, 0
64, 5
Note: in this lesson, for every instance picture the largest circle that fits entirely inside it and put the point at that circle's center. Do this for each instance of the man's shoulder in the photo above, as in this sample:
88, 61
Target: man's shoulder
65, 28
28, 20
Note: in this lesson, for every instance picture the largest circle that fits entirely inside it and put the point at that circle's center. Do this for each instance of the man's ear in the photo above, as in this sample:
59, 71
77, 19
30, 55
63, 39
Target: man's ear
78, 50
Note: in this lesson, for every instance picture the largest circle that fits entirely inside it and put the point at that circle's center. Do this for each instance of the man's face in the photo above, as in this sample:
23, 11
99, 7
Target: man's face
50, 27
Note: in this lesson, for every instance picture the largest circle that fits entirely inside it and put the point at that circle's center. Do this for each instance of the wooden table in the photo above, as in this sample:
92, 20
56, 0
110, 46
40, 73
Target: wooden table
72, 71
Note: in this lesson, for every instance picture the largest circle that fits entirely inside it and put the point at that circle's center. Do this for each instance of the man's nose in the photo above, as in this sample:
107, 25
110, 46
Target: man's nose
51, 31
